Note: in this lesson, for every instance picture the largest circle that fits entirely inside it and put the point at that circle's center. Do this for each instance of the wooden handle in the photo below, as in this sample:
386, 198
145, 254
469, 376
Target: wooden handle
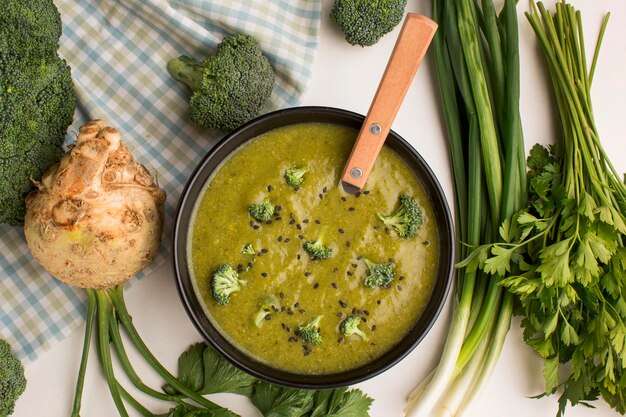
415, 37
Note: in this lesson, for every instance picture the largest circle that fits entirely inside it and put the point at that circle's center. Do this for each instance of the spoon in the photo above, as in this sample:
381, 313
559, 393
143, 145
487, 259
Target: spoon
415, 36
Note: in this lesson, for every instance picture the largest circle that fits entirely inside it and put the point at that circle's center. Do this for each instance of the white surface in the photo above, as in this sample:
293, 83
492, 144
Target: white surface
346, 77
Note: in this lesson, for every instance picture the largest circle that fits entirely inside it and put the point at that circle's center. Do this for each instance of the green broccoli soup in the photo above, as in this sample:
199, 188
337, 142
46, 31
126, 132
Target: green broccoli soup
300, 274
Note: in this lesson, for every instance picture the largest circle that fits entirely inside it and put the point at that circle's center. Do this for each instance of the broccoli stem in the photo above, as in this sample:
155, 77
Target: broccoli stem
104, 311
187, 70
91, 313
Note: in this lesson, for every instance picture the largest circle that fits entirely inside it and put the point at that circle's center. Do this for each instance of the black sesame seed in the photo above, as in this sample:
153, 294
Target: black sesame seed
341, 231
302, 312
363, 319
334, 285
347, 243
292, 221
307, 274
401, 278
250, 264
269, 188
287, 240
300, 237
367, 313
343, 199
290, 312
340, 340
264, 250
335, 270
358, 258
298, 256
296, 305
268, 222
354, 265
256, 226
366, 192
325, 190
280, 238
340, 314
281, 295
374, 328
351, 209
391, 260
399, 288
263, 274
278, 218
321, 196
349, 273
378, 302
373, 344
376, 227
298, 226
343, 304
353, 310
316, 285
268, 317
358, 194
318, 222
296, 188
305, 221
427, 242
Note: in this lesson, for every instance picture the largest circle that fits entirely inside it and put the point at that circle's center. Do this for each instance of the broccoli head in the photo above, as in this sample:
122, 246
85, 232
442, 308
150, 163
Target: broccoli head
12, 379
364, 22
228, 88
29, 28
37, 103
310, 332
266, 306
248, 249
295, 175
224, 282
316, 249
262, 211
378, 275
350, 326
406, 219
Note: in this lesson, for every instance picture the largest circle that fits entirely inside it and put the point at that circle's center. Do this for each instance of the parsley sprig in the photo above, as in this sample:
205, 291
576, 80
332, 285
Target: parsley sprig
204, 371
563, 256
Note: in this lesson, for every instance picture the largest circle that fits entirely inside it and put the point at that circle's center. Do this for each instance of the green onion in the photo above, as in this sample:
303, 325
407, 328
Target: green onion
479, 89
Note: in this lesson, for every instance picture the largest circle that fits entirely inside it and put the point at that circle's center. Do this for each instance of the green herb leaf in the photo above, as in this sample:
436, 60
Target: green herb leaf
277, 401
551, 374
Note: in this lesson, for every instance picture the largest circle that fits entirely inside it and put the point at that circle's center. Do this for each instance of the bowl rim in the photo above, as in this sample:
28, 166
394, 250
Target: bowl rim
193, 306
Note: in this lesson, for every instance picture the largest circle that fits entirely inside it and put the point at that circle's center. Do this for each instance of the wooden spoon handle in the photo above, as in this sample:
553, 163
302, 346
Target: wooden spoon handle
413, 41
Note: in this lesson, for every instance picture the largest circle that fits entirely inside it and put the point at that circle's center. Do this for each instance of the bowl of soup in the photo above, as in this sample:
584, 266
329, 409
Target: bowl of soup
256, 289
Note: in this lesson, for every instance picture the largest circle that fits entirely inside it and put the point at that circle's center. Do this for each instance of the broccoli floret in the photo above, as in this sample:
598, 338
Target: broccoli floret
224, 282
316, 249
406, 219
262, 211
350, 326
378, 275
310, 332
295, 175
364, 22
12, 379
37, 103
29, 28
266, 306
228, 88
248, 249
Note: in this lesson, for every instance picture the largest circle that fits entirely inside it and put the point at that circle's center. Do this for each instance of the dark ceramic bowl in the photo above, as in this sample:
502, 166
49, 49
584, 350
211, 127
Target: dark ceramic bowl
193, 305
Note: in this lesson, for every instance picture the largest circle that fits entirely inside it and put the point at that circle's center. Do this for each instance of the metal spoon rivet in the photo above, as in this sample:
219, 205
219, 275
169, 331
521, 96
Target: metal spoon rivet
356, 173
375, 129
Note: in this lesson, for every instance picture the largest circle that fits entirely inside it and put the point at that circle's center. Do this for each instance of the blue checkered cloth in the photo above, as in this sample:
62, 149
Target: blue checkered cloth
118, 53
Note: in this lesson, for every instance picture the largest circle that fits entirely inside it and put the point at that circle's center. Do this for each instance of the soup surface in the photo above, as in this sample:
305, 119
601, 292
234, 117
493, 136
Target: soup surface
333, 288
